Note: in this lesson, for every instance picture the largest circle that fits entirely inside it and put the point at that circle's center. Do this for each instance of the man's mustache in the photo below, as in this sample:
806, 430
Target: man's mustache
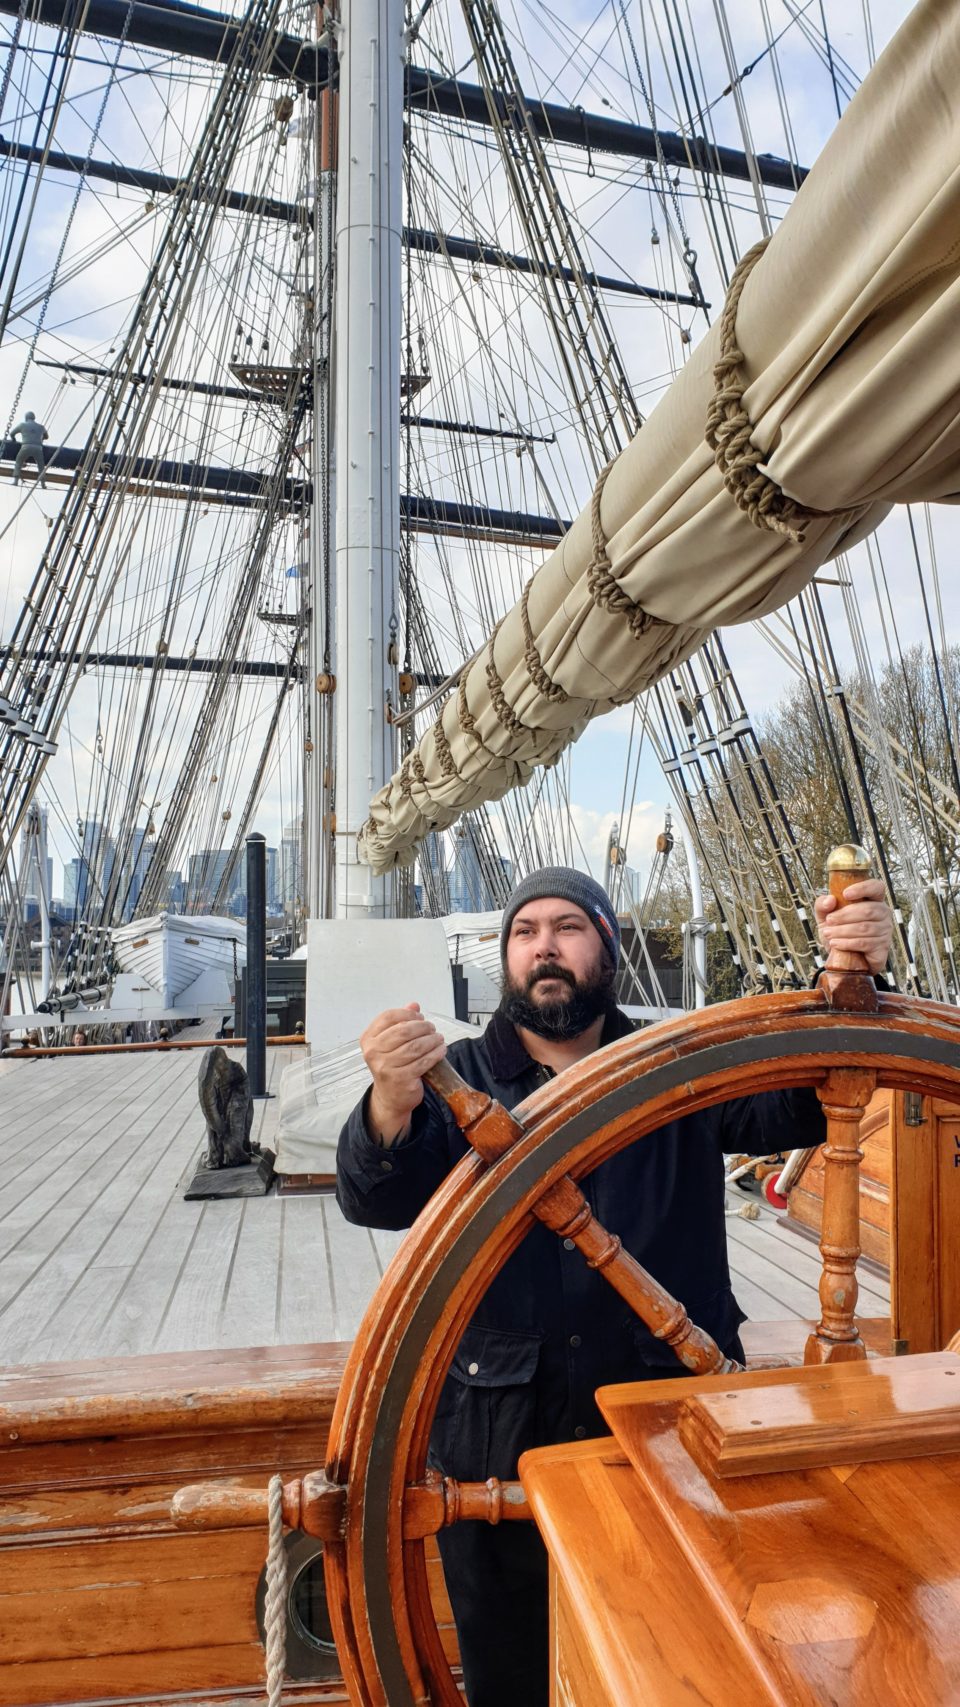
560, 974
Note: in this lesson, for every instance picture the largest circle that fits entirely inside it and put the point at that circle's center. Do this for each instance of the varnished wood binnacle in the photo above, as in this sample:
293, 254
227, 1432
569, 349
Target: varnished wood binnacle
863, 1413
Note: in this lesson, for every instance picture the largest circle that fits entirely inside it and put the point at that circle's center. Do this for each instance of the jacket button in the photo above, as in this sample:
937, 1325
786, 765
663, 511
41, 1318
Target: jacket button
574, 1339
473, 1368
569, 1245
580, 1432
387, 1167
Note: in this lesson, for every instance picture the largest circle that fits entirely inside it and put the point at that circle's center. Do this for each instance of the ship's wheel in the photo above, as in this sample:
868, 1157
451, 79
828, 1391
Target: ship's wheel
375, 1503
376, 1574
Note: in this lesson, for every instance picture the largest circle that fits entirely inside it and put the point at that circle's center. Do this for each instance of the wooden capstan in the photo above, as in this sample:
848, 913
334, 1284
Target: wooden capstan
375, 1500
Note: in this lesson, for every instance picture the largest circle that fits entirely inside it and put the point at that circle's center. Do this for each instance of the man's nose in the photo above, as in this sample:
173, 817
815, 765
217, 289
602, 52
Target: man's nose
547, 949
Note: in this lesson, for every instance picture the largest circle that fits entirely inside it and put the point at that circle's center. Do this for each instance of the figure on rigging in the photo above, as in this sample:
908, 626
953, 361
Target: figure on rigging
550, 1331
31, 434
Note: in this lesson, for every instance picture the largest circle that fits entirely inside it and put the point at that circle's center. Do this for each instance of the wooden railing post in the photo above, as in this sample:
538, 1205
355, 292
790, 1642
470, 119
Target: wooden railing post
844, 1097
846, 983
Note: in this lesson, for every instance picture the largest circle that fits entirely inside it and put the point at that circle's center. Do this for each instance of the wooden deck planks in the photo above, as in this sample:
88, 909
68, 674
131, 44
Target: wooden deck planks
775, 1271
100, 1256
305, 1306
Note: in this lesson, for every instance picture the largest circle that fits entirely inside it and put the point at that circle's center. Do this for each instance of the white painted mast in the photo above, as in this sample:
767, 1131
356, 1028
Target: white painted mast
318, 885
367, 413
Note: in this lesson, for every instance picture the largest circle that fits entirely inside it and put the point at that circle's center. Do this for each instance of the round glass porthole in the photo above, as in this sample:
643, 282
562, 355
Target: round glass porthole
307, 1606
311, 1654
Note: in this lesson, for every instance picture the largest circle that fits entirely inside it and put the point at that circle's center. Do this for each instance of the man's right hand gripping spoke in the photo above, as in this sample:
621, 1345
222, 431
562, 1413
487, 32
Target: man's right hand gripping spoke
399, 1046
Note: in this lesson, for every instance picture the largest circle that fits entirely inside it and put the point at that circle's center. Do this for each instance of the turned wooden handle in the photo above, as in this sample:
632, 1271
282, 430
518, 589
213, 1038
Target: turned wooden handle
210, 1505
317, 1506
847, 864
465, 1104
484, 1123
310, 1503
845, 980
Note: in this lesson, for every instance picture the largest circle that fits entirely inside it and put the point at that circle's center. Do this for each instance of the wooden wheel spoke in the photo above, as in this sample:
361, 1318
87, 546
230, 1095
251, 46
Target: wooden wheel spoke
844, 1095
439, 1501
564, 1208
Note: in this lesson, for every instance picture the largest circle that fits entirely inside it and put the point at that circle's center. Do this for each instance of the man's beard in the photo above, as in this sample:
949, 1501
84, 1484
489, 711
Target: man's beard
568, 1015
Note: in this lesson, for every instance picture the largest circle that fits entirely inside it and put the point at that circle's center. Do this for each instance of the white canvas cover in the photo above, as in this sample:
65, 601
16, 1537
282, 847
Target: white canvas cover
317, 1094
846, 332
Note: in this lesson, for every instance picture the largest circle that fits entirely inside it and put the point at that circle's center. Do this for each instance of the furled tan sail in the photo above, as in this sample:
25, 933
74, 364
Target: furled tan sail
843, 344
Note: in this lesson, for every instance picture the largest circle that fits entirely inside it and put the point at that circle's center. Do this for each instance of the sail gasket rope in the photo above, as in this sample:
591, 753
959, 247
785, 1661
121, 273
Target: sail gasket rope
604, 588
729, 429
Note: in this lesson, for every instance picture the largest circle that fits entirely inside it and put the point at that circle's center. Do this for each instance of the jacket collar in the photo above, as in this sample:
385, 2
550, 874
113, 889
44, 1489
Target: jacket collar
508, 1058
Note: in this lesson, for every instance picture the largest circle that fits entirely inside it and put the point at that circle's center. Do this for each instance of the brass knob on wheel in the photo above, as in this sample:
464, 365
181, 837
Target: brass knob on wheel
847, 864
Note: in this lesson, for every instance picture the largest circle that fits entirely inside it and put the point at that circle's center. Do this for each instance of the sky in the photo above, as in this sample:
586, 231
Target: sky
570, 53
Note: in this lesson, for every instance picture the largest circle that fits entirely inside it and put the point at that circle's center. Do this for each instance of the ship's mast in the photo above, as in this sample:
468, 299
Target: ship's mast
318, 878
367, 414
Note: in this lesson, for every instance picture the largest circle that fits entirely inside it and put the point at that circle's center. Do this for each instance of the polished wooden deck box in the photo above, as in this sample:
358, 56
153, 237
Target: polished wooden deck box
789, 1539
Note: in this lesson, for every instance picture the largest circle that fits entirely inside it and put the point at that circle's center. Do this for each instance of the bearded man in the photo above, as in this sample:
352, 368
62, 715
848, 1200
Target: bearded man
550, 1331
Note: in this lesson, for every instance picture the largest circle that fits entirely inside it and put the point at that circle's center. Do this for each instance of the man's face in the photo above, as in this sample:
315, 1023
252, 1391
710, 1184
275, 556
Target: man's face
557, 976
552, 946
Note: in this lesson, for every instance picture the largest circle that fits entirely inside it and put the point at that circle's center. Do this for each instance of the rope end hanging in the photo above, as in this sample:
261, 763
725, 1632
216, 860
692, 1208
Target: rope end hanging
275, 1608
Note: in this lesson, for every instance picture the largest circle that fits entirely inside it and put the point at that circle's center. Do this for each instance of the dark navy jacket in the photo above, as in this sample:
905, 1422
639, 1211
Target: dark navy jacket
550, 1330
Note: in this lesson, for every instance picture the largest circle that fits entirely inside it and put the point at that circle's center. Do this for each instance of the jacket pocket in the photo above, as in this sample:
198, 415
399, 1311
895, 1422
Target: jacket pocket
489, 1357
487, 1414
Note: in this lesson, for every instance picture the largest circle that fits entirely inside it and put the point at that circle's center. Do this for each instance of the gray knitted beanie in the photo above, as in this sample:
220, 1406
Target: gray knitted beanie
563, 883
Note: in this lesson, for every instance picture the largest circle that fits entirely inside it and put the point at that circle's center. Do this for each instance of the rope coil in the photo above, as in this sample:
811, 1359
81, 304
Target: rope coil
550, 689
504, 711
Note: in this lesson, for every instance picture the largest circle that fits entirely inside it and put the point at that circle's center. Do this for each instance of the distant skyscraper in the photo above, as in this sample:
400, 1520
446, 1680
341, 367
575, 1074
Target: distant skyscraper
434, 891
470, 890
205, 873
273, 880
290, 863
71, 879
138, 859
95, 868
